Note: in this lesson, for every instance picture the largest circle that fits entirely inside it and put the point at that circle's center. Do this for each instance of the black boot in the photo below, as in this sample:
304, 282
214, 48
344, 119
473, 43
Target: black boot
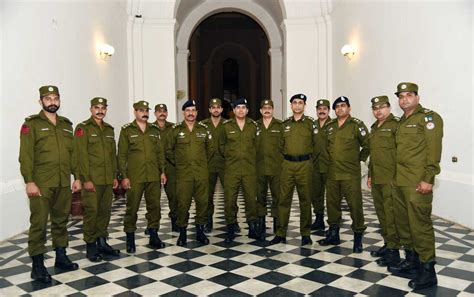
391, 257
105, 248
236, 227
39, 272
63, 261
357, 248
278, 239
426, 277
380, 252
409, 265
209, 225
155, 241
306, 240
200, 236
174, 226
318, 224
262, 227
230, 235
92, 253
183, 237
131, 242
253, 230
332, 236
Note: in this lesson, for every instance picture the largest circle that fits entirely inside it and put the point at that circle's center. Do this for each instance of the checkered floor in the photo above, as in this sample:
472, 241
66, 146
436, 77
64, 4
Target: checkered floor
245, 267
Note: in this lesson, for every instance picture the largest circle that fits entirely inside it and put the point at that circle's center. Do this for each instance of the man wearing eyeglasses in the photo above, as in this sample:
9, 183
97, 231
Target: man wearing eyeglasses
381, 174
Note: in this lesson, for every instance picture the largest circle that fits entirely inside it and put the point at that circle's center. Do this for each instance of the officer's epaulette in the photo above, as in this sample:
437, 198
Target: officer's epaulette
427, 111
176, 125
332, 121
205, 121
202, 124
82, 123
126, 125
254, 122
66, 120
395, 118
287, 119
226, 121
311, 118
33, 116
356, 120
155, 125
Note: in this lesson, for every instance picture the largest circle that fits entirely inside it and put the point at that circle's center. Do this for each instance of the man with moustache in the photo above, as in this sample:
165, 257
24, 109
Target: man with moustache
161, 114
141, 162
46, 164
94, 144
380, 178
237, 143
419, 144
269, 159
189, 147
347, 145
216, 163
299, 137
320, 165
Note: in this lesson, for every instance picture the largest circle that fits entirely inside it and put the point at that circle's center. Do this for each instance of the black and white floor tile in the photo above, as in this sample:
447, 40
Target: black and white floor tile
243, 268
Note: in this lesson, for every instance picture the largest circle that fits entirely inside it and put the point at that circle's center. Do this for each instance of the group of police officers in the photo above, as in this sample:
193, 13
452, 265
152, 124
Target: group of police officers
312, 155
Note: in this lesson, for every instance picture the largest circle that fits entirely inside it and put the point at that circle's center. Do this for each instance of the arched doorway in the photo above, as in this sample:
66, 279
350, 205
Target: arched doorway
229, 59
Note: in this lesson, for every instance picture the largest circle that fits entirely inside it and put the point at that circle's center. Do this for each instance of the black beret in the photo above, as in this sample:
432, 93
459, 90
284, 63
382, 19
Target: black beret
188, 103
339, 100
240, 101
298, 96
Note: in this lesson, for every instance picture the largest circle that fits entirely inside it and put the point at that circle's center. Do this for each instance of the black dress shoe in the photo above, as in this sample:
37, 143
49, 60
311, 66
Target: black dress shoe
306, 240
278, 239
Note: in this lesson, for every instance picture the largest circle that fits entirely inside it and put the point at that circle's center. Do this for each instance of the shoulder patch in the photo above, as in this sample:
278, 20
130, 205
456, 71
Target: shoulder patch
79, 132
25, 129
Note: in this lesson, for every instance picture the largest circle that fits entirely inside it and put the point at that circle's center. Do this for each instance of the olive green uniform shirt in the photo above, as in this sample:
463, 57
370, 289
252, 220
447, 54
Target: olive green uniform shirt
419, 144
383, 150
140, 154
299, 137
269, 157
96, 152
239, 147
46, 151
321, 160
190, 151
217, 162
347, 147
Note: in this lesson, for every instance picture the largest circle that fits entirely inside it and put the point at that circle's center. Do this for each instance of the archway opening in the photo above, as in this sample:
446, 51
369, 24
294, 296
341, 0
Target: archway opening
228, 60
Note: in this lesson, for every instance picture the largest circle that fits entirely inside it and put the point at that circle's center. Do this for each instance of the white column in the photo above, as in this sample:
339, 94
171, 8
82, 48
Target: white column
182, 79
301, 60
135, 61
276, 61
159, 79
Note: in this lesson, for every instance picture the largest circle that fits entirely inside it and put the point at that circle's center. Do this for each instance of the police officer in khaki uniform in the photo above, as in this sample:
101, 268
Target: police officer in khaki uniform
347, 145
269, 159
141, 162
237, 143
320, 163
419, 141
161, 114
46, 164
380, 178
189, 147
299, 137
94, 144
217, 162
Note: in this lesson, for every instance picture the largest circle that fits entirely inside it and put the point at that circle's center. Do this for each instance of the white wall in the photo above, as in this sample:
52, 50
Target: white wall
426, 42
55, 43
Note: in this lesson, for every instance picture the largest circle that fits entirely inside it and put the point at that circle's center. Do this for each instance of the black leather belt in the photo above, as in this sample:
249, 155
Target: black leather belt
297, 158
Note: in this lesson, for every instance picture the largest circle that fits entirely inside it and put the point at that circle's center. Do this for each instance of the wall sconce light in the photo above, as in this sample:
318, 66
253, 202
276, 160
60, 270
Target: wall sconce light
348, 51
106, 51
